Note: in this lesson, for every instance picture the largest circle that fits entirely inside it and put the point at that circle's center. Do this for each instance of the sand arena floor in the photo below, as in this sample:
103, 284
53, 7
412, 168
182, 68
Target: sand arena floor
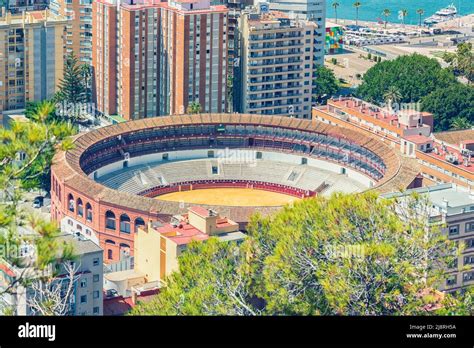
230, 197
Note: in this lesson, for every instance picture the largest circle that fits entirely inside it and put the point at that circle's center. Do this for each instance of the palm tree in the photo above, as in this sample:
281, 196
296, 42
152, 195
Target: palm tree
194, 108
403, 13
460, 123
335, 4
386, 13
462, 61
392, 95
357, 4
420, 12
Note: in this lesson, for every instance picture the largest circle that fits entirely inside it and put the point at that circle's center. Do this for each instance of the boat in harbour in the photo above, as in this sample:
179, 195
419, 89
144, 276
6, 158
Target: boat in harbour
443, 15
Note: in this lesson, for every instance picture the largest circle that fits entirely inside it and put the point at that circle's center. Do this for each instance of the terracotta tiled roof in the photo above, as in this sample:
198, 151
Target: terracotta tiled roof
455, 137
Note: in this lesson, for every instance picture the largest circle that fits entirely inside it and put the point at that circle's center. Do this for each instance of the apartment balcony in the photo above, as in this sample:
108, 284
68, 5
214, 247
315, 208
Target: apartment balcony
269, 54
267, 89
254, 97
274, 72
278, 45
272, 106
253, 65
273, 80
276, 33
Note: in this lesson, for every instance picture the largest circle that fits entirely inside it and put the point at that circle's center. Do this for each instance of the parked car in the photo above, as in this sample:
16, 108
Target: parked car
111, 293
38, 202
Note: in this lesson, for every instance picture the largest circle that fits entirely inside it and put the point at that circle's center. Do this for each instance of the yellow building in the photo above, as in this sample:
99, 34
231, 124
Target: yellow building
158, 247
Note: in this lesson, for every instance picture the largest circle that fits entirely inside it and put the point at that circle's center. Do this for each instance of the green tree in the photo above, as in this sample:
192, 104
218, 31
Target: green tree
386, 13
346, 255
211, 281
403, 14
415, 76
194, 108
420, 13
72, 90
325, 85
335, 5
38, 175
357, 5
462, 61
26, 152
447, 104
392, 95
460, 123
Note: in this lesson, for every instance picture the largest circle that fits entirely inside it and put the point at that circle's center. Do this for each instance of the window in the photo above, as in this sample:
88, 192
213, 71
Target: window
88, 212
96, 294
84, 299
83, 283
109, 254
124, 223
80, 208
96, 310
451, 280
468, 276
470, 227
470, 243
139, 223
110, 220
96, 261
468, 260
95, 278
71, 202
453, 230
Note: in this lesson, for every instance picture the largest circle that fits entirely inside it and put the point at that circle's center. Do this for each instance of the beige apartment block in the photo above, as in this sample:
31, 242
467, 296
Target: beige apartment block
31, 57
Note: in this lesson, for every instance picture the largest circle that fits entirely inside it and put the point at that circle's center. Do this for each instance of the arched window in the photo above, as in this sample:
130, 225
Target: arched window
124, 250
110, 220
70, 200
88, 212
124, 223
80, 208
109, 241
139, 223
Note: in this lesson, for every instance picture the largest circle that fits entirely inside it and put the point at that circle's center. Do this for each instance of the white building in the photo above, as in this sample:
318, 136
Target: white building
87, 295
279, 59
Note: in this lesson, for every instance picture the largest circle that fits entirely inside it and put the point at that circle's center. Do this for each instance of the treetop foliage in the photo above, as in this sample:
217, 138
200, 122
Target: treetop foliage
421, 79
346, 255
415, 76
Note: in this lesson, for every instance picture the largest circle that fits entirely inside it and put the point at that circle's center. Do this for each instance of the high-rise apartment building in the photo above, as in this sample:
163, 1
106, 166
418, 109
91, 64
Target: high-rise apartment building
312, 10
31, 57
233, 55
79, 28
15, 6
154, 58
279, 58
